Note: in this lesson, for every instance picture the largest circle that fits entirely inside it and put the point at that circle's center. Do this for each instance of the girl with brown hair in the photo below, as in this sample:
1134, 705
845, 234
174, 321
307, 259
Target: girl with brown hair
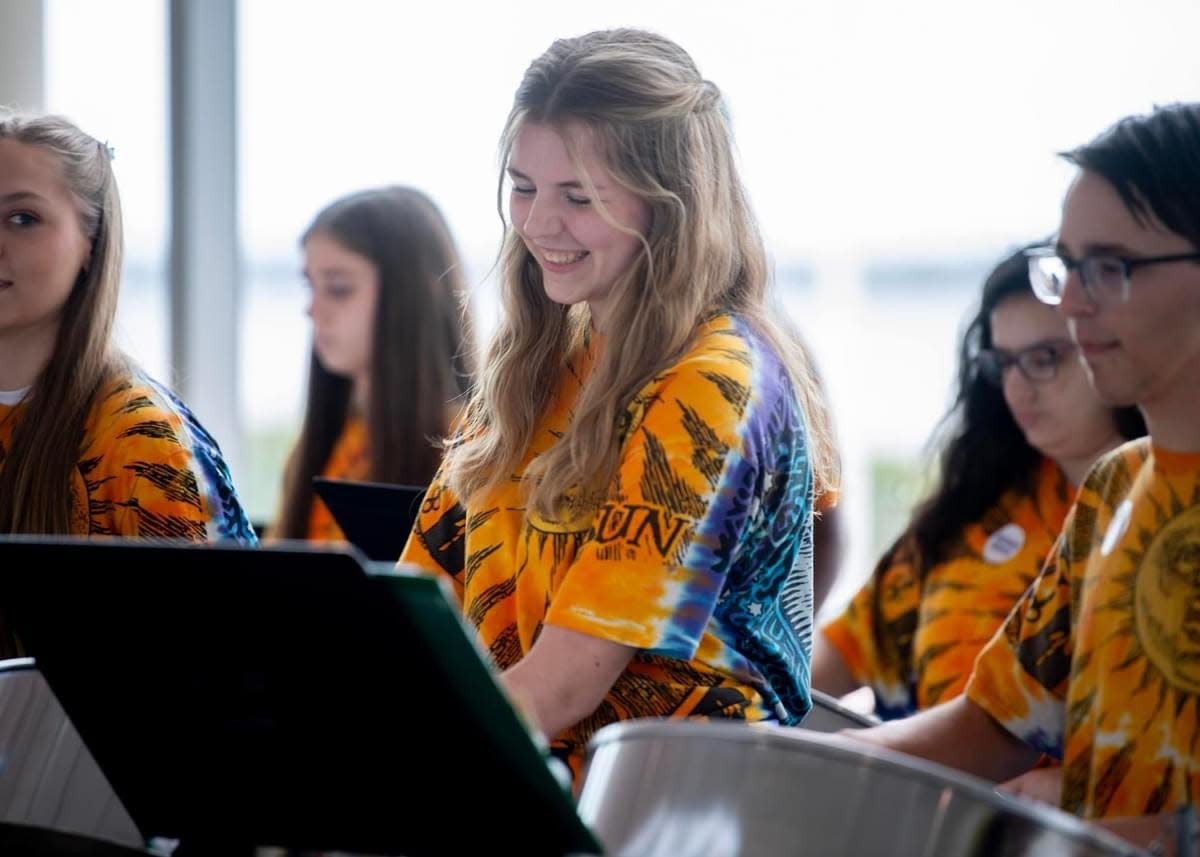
392, 350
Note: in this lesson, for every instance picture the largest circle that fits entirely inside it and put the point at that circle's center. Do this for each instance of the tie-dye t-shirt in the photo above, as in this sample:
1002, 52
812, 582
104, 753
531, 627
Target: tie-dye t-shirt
699, 556
348, 460
913, 641
147, 469
1099, 662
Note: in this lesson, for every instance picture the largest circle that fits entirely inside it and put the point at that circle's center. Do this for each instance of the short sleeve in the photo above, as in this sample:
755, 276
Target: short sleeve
642, 578
150, 470
437, 543
874, 634
1021, 676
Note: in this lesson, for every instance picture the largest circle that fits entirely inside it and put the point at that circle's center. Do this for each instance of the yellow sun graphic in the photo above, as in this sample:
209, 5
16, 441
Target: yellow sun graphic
1154, 596
1167, 601
1135, 671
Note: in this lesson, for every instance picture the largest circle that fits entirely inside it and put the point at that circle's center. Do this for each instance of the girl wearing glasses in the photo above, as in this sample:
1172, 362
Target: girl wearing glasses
1023, 431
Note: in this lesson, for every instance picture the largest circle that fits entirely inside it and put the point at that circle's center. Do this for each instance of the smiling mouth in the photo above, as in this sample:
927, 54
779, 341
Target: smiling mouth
560, 258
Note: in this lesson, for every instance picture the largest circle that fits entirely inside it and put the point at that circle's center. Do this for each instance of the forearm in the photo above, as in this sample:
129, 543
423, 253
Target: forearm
1162, 831
552, 709
959, 735
829, 670
827, 553
564, 677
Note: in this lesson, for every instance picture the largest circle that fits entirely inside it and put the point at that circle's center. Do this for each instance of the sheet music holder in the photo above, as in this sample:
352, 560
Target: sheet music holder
375, 517
283, 696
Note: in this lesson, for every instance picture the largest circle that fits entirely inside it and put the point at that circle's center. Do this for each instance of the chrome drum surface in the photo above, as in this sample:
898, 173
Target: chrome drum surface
670, 788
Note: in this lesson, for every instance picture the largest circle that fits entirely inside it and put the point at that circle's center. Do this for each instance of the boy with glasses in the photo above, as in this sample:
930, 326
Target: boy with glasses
1099, 662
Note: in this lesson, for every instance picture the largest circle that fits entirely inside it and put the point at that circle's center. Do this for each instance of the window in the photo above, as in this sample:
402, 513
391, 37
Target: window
120, 95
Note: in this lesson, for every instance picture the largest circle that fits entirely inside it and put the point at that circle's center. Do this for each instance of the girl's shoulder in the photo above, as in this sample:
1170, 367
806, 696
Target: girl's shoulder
135, 405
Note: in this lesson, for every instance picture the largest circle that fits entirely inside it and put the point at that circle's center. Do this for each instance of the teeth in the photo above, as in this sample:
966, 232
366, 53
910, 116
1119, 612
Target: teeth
557, 258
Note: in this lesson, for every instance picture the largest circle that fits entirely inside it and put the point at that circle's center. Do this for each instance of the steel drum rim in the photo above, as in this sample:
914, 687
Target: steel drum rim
831, 702
763, 736
17, 665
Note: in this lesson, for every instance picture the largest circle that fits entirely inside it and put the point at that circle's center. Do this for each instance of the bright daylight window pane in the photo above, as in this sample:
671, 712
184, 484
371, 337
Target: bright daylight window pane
106, 70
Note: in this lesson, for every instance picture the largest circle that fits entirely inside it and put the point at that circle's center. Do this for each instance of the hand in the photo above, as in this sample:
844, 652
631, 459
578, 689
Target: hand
1041, 785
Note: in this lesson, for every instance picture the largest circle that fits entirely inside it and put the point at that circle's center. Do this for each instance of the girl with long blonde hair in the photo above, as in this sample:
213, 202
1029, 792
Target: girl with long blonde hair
625, 511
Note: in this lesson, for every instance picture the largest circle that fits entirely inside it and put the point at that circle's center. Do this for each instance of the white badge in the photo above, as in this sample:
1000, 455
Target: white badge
1004, 544
1117, 527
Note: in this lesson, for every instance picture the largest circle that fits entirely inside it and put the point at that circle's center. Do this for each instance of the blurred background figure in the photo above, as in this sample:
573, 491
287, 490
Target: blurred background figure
392, 351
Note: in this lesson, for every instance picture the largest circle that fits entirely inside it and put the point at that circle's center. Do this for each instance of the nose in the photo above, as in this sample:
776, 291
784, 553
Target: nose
1076, 301
1017, 388
542, 220
318, 308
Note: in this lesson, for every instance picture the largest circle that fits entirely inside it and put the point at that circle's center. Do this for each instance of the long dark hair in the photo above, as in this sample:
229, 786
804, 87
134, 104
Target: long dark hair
983, 451
35, 482
1153, 162
423, 352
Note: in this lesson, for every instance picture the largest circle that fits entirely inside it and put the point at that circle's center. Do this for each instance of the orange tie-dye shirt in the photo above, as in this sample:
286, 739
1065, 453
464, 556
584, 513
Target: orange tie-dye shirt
147, 469
913, 640
348, 460
1099, 662
699, 555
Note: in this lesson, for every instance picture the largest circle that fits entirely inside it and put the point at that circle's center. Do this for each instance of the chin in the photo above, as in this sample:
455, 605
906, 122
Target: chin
564, 297
332, 367
1113, 387
1045, 447
1116, 394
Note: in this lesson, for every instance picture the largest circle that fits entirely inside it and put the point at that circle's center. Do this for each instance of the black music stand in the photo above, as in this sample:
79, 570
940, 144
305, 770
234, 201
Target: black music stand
241, 697
375, 517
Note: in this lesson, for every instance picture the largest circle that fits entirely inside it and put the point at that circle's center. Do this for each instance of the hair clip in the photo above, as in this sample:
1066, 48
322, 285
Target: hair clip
109, 150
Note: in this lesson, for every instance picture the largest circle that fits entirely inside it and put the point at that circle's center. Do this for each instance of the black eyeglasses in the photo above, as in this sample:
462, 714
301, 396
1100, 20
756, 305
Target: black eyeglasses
1105, 277
1038, 362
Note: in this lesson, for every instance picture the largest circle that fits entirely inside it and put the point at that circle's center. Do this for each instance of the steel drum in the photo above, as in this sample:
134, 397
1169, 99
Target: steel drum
19, 840
829, 715
48, 778
670, 788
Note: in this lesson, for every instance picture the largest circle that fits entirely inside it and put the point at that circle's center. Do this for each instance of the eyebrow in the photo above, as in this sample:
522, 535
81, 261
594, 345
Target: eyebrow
326, 272
569, 185
1040, 343
21, 195
1100, 249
